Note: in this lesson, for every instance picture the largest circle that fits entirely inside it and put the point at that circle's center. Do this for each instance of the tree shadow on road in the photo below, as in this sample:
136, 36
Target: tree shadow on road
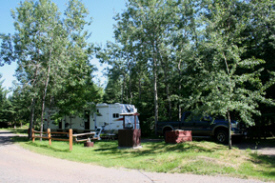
6, 138
6, 141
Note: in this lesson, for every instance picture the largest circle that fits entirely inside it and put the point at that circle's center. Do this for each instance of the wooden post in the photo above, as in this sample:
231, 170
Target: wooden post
71, 139
33, 135
49, 136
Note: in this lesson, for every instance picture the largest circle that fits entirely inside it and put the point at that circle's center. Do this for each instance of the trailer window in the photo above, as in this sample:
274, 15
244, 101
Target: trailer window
98, 113
115, 115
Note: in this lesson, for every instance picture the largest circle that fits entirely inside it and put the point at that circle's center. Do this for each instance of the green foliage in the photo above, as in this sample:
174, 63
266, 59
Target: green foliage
5, 106
143, 62
13, 109
53, 57
20, 106
208, 57
223, 81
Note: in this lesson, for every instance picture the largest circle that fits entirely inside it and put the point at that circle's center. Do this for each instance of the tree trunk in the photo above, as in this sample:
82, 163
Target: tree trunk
32, 117
155, 69
34, 121
164, 67
130, 83
179, 92
43, 101
122, 90
228, 113
130, 90
139, 89
169, 102
155, 91
229, 131
31, 126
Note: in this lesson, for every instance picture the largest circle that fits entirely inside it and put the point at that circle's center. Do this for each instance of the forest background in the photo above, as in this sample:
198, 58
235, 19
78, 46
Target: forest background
169, 56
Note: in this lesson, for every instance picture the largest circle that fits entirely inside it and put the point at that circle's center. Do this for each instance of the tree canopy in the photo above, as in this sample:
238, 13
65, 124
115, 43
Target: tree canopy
169, 56
53, 56
200, 56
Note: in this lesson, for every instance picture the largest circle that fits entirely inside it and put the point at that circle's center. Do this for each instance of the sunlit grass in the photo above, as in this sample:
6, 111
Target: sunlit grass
206, 158
17, 130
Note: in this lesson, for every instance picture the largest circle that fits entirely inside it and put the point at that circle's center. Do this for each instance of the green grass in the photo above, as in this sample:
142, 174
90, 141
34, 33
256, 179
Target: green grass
205, 158
17, 130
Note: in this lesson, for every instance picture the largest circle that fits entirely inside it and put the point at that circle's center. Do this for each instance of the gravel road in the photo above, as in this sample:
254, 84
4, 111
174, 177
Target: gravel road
20, 165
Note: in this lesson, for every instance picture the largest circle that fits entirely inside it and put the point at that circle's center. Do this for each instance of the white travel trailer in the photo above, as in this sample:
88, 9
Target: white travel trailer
81, 123
106, 116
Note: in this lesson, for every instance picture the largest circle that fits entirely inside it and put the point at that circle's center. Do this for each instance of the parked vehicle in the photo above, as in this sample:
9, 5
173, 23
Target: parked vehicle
108, 116
203, 127
105, 116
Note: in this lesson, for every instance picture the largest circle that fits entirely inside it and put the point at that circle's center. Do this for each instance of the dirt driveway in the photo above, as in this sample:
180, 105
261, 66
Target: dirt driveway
20, 165
267, 150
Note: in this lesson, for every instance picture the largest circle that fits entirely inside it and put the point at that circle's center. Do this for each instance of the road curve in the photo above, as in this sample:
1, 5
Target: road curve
20, 165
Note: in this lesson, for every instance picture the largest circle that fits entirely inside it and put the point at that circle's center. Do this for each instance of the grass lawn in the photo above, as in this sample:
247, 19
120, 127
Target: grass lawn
18, 130
197, 157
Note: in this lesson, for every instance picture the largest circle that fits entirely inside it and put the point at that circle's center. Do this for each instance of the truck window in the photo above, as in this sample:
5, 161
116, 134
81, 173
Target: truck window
194, 118
186, 116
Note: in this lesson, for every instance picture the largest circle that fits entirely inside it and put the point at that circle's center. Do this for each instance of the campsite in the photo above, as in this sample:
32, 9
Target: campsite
169, 86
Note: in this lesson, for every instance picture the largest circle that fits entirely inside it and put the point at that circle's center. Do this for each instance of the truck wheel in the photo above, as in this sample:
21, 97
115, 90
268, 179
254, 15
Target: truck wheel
222, 136
166, 130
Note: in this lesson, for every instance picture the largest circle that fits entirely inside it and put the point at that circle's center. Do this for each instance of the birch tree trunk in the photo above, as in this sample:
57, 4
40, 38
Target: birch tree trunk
179, 66
31, 126
32, 117
155, 88
43, 101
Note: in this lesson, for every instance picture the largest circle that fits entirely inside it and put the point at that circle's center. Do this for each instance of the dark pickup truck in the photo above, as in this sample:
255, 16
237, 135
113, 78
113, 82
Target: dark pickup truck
203, 127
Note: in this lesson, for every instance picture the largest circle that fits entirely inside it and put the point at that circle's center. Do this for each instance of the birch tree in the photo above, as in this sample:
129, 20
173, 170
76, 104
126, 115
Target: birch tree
52, 54
146, 25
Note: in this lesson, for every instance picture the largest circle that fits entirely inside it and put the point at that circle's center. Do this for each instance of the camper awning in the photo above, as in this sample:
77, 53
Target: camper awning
129, 114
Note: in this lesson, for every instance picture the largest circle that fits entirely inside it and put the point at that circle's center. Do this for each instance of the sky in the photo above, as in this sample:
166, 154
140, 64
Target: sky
102, 12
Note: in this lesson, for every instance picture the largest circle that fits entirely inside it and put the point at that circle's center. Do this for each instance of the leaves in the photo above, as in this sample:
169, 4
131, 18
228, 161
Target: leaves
201, 52
206, 56
53, 55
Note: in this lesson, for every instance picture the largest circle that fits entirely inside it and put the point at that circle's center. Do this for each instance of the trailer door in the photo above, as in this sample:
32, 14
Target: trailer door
87, 119
60, 124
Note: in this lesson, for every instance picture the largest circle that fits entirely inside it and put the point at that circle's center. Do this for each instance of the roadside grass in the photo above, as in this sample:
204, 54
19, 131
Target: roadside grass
18, 130
198, 157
